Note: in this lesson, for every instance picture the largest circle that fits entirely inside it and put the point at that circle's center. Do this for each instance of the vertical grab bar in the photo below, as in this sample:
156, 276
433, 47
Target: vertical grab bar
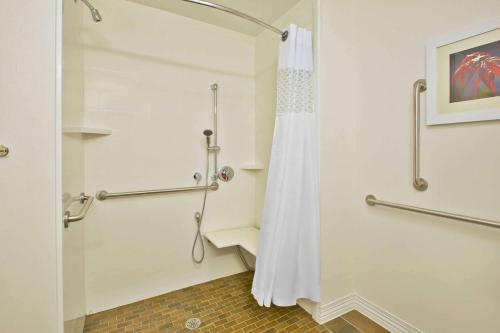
419, 183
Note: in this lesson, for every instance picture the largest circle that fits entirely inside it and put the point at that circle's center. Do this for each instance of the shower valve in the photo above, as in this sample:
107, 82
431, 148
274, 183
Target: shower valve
197, 177
225, 174
4, 151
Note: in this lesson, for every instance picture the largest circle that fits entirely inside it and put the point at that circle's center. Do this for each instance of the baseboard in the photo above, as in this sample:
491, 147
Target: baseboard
308, 305
335, 309
74, 325
351, 302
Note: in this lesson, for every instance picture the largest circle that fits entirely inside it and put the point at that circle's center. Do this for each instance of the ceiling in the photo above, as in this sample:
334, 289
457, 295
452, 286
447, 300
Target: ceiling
264, 10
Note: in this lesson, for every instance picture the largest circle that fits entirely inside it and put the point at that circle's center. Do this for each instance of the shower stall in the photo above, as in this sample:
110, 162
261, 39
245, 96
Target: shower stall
164, 102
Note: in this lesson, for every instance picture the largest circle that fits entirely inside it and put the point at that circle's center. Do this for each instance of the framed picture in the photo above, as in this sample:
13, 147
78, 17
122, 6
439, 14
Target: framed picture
463, 76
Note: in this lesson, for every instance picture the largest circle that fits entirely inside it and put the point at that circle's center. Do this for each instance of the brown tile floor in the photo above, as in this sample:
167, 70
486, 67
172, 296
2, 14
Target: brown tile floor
354, 322
224, 306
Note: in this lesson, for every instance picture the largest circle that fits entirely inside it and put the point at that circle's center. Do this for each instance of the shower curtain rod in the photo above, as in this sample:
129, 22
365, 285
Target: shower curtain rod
283, 34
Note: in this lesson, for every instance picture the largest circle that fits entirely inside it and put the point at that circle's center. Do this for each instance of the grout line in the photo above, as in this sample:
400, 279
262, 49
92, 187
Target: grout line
327, 328
357, 328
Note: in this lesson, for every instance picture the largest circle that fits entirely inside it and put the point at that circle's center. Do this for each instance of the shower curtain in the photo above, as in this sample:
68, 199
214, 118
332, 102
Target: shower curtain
288, 260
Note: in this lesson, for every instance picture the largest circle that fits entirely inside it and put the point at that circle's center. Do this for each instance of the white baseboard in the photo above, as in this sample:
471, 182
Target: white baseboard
308, 305
351, 302
335, 309
74, 325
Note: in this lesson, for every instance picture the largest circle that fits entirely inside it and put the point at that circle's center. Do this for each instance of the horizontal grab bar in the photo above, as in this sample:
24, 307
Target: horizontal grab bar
103, 195
372, 201
86, 200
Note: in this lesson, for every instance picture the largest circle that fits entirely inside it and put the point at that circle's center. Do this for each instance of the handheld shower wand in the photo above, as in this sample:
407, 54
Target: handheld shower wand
208, 133
226, 173
199, 215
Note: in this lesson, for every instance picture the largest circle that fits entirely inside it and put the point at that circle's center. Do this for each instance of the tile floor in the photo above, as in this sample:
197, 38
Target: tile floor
224, 306
354, 322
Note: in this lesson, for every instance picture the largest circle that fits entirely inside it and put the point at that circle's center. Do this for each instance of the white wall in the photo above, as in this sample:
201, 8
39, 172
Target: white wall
337, 142
73, 172
30, 223
147, 77
441, 276
266, 67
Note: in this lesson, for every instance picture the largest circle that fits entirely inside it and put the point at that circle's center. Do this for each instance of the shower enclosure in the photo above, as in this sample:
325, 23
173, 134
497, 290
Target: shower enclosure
141, 115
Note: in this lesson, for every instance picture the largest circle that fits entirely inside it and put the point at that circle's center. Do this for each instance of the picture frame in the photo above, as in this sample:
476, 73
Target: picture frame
460, 84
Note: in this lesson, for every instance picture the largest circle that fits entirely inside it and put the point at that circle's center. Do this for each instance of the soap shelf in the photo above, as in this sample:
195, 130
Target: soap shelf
87, 130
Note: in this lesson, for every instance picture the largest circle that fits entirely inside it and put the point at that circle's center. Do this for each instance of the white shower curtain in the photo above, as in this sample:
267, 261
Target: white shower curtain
288, 260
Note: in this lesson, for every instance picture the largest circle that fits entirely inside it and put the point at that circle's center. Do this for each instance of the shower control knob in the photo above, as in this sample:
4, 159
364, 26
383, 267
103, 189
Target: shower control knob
197, 177
4, 151
226, 174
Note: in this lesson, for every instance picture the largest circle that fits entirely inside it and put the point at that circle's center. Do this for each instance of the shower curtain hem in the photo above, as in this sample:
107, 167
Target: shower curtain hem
284, 302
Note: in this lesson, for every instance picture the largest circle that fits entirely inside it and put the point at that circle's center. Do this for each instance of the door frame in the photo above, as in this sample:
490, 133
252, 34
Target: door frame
58, 166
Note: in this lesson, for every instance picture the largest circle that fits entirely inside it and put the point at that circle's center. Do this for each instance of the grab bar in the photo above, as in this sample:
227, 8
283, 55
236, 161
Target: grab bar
103, 195
86, 200
419, 183
372, 201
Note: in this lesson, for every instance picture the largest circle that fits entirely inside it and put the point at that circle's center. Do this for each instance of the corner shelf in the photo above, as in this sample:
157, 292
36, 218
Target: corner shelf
252, 167
87, 130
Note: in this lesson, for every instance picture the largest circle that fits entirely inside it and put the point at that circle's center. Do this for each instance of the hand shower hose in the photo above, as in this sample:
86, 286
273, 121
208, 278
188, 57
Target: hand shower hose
199, 218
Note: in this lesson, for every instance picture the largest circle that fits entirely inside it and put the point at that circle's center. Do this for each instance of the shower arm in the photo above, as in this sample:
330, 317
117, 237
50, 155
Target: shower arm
283, 34
96, 16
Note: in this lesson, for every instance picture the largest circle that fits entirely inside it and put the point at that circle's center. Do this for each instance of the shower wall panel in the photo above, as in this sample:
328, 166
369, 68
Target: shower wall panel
147, 77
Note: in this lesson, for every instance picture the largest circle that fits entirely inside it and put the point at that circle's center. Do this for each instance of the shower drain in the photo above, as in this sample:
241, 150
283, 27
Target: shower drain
193, 323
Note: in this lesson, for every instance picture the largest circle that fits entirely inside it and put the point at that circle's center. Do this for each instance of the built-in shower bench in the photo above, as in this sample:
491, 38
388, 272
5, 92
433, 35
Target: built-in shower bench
246, 238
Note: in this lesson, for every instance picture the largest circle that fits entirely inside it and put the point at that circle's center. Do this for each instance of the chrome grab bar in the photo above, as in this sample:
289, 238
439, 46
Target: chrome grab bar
372, 201
103, 195
419, 183
86, 201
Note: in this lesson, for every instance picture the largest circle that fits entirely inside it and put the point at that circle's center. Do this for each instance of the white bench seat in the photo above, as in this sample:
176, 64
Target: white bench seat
246, 237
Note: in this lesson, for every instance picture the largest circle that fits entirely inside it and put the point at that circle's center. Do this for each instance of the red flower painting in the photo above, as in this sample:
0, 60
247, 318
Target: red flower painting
475, 73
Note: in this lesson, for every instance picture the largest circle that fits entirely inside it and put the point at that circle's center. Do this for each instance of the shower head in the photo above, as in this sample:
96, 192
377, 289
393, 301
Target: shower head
208, 133
96, 16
